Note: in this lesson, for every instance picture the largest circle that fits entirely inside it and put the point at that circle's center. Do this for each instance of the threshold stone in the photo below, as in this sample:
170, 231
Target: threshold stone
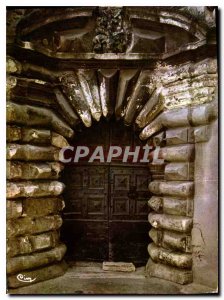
118, 266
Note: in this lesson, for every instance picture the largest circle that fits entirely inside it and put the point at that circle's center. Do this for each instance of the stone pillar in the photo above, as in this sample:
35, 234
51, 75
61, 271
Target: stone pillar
176, 234
205, 230
183, 240
35, 134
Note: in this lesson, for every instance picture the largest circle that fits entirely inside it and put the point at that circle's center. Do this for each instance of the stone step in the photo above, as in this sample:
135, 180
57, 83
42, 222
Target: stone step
118, 266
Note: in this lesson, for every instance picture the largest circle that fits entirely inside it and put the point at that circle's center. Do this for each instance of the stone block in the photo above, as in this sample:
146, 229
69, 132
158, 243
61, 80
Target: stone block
145, 114
180, 153
169, 273
27, 225
29, 152
31, 261
178, 136
118, 266
29, 115
179, 171
201, 134
169, 205
170, 257
32, 243
159, 139
171, 240
174, 206
44, 240
23, 170
37, 275
66, 108
172, 188
182, 117
37, 207
156, 203
58, 140
170, 222
33, 189
28, 135
14, 209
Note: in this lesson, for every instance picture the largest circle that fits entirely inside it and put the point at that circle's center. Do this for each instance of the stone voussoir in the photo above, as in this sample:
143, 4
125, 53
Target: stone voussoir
29, 115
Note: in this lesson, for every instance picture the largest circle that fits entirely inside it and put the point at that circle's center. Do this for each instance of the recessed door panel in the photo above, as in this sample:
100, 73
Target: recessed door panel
106, 211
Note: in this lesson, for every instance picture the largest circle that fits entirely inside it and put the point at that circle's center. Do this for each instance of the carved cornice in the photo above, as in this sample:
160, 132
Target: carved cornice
119, 33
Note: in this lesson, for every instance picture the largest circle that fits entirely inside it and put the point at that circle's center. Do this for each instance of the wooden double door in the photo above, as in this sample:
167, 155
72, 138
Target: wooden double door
106, 211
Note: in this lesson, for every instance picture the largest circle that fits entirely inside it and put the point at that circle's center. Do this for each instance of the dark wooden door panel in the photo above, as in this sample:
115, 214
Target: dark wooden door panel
86, 240
106, 211
128, 224
128, 241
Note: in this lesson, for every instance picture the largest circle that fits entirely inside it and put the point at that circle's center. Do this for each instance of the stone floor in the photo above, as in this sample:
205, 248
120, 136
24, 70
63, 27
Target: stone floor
90, 279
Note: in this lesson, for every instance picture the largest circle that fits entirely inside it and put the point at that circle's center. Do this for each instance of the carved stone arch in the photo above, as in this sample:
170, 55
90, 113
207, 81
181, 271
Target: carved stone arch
167, 95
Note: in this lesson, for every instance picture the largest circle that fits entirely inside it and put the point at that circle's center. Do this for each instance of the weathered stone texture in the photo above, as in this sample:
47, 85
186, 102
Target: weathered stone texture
29, 115
38, 207
34, 189
179, 136
14, 209
29, 152
66, 108
118, 266
180, 153
169, 273
28, 225
171, 240
175, 259
58, 140
179, 171
171, 222
28, 135
40, 274
168, 205
189, 116
20, 263
72, 88
31, 243
201, 134
172, 188
22, 170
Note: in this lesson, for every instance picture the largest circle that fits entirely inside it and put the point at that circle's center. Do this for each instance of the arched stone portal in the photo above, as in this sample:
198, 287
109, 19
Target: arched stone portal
156, 70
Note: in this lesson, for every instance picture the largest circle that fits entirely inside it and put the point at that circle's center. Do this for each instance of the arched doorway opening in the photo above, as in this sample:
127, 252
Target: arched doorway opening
106, 211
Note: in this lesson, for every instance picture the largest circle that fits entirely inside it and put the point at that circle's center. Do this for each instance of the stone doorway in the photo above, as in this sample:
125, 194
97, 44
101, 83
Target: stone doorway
106, 210
159, 75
